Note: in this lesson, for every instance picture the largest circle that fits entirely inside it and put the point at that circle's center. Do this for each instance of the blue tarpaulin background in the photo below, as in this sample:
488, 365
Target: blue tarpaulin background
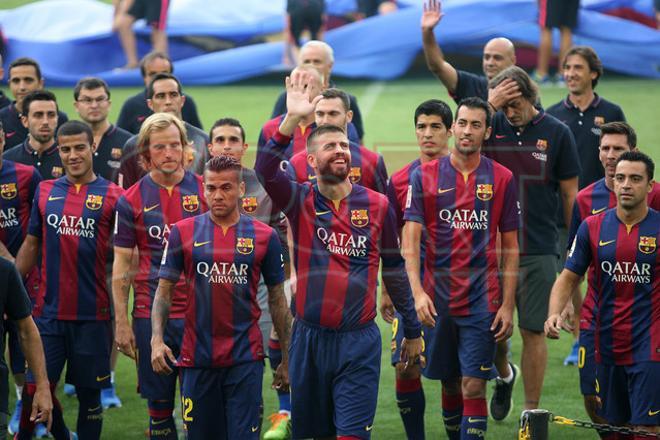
73, 38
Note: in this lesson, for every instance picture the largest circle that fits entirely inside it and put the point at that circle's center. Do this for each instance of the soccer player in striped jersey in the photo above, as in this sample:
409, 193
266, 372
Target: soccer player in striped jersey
145, 215
223, 255
340, 232
71, 229
367, 167
616, 138
463, 201
619, 247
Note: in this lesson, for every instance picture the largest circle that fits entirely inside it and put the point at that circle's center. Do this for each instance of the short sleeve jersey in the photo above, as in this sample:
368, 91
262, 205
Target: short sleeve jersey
539, 156
145, 215
626, 281
74, 224
223, 269
462, 215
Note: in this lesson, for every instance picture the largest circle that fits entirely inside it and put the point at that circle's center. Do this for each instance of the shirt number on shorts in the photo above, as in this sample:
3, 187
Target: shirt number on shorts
582, 354
187, 404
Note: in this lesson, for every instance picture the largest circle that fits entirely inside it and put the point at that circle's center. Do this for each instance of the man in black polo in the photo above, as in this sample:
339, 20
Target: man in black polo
24, 78
39, 148
135, 109
541, 153
164, 96
320, 55
92, 102
584, 112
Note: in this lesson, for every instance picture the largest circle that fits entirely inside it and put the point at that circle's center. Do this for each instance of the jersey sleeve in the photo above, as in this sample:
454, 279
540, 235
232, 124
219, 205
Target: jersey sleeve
381, 176
394, 203
567, 164
171, 265
414, 210
579, 255
510, 220
576, 219
273, 263
34, 227
34, 182
125, 225
18, 304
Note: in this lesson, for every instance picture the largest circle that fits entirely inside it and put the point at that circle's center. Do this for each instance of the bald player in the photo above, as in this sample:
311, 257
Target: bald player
499, 53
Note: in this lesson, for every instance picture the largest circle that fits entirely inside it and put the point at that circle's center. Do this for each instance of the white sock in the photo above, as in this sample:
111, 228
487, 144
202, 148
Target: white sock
112, 377
509, 378
19, 391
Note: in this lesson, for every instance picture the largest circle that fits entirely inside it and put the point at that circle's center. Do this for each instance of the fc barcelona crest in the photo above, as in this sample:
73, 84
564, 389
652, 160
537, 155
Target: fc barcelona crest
598, 121
57, 172
94, 202
244, 246
355, 175
8, 191
359, 218
484, 191
542, 144
115, 153
249, 204
647, 244
191, 203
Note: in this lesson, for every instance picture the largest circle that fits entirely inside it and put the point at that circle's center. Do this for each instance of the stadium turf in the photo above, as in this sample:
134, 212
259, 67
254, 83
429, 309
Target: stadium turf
388, 112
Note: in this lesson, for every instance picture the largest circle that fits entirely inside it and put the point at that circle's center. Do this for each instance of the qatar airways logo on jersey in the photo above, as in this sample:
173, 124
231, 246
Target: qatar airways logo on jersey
466, 219
223, 273
340, 243
627, 272
8, 218
72, 225
160, 232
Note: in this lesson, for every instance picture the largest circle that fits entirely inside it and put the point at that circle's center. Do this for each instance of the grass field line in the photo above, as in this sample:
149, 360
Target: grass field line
370, 96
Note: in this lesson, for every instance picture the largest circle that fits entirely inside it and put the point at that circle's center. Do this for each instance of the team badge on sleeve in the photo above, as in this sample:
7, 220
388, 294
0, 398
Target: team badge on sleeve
57, 172
355, 174
94, 201
115, 153
249, 204
191, 203
359, 218
485, 191
244, 245
8, 190
647, 244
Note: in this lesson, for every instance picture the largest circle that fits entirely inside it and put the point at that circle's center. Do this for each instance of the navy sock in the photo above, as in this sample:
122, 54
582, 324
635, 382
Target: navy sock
161, 421
411, 402
90, 413
452, 412
475, 419
275, 359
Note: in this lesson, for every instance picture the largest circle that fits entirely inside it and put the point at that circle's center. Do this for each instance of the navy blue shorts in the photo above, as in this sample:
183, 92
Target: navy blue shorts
397, 339
587, 363
630, 394
16, 357
222, 403
154, 386
83, 345
334, 380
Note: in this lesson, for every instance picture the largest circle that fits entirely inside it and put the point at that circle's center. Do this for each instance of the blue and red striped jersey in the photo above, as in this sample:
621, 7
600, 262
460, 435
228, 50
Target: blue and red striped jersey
75, 225
397, 189
626, 281
18, 184
145, 215
593, 200
222, 269
462, 215
338, 246
367, 168
298, 140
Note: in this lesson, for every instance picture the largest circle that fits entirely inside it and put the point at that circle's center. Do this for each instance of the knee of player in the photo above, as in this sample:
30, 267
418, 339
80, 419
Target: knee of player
473, 388
451, 387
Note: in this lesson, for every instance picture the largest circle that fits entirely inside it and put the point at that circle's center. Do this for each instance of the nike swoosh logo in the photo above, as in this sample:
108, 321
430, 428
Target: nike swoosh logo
368, 428
475, 420
202, 243
94, 409
311, 177
500, 136
605, 243
653, 413
442, 191
255, 428
596, 211
151, 208
52, 199
482, 368
10, 134
451, 417
322, 212
158, 422
102, 378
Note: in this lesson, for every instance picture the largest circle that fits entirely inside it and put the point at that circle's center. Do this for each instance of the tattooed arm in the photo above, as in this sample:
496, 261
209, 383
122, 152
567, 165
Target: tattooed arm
160, 312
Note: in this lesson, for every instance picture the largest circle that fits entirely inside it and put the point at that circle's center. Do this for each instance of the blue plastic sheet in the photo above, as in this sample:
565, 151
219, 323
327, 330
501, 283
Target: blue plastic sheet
72, 38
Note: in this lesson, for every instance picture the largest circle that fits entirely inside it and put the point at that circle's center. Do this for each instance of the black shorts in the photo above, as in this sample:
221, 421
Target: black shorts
153, 11
558, 13
305, 14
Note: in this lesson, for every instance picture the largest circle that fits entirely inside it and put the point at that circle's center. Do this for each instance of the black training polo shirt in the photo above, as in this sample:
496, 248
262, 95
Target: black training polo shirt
469, 85
15, 132
135, 110
585, 126
539, 157
108, 153
4, 101
48, 163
